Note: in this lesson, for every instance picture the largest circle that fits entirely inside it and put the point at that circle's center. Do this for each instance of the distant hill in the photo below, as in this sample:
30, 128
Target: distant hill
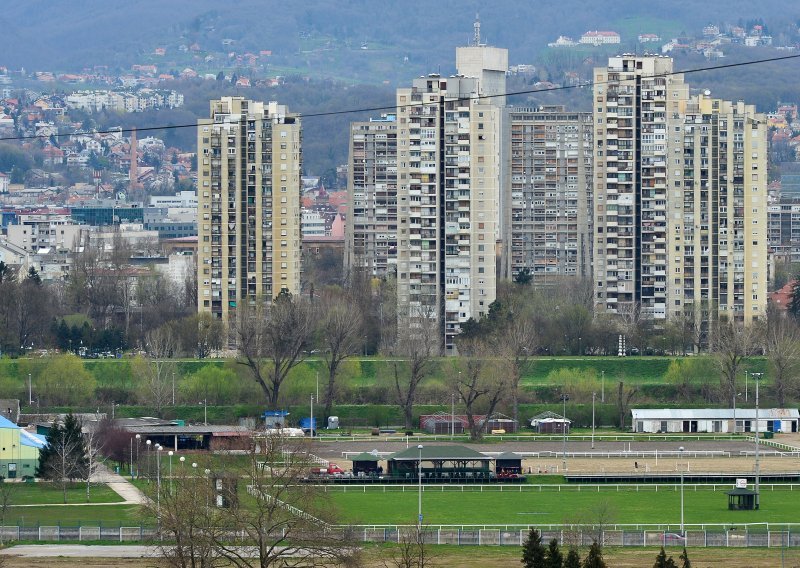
357, 40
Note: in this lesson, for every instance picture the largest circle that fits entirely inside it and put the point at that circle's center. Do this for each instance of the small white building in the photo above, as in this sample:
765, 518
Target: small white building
714, 420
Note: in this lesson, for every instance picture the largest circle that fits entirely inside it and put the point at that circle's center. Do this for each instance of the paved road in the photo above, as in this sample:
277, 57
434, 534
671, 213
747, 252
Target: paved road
79, 551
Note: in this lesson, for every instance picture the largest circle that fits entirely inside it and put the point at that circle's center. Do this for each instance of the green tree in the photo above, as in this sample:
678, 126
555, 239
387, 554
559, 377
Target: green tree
215, 384
65, 382
595, 557
63, 459
664, 561
684, 557
553, 556
533, 551
573, 559
794, 300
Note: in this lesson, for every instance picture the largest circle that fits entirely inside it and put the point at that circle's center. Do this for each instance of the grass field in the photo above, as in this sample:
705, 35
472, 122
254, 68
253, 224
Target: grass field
75, 515
47, 493
512, 506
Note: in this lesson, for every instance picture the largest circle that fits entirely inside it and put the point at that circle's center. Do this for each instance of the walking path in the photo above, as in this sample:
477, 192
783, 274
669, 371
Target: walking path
79, 551
120, 485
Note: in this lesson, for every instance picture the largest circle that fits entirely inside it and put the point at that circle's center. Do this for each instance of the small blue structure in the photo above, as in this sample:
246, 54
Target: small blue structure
275, 418
308, 423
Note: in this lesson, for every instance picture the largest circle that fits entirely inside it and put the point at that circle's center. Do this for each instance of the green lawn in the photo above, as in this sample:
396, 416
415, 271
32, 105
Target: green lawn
43, 493
75, 515
552, 507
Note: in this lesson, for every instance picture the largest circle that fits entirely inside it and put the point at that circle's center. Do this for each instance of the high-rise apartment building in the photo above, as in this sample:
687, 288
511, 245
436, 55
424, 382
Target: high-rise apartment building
635, 100
548, 218
371, 229
680, 197
718, 213
448, 166
249, 163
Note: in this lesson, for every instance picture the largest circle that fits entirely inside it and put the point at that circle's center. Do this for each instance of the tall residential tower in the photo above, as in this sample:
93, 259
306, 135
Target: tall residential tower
249, 162
448, 145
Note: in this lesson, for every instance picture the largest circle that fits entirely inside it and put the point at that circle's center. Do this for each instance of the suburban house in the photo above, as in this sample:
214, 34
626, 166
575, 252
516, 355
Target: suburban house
714, 420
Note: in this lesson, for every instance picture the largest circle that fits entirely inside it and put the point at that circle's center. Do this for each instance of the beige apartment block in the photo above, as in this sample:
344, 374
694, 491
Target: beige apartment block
635, 98
680, 198
548, 214
718, 235
371, 228
448, 165
248, 186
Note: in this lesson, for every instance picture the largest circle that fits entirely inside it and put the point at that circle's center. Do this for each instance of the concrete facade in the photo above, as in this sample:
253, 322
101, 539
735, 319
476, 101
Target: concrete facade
249, 165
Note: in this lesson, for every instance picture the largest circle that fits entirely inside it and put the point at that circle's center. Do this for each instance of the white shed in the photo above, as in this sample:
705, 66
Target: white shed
714, 420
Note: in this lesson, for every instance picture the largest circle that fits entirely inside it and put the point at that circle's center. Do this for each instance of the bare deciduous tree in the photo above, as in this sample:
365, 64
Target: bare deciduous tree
783, 353
478, 385
286, 523
154, 372
272, 340
732, 342
340, 330
412, 551
624, 397
418, 342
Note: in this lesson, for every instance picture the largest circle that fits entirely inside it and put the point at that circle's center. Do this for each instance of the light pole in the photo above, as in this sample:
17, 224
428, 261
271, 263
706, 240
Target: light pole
149, 461
452, 415
735, 394
564, 399
757, 378
594, 395
170, 454
419, 484
173, 388
680, 452
311, 425
204, 402
208, 489
158, 481
30, 391
745, 386
603, 387
138, 441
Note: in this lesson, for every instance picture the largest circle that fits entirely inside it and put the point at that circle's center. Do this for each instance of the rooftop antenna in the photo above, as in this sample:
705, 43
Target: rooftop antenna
477, 30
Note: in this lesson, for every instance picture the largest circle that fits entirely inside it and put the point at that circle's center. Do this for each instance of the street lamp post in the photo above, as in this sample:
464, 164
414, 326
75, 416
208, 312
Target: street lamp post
564, 399
452, 415
603, 387
757, 378
311, 425
149, 443
680, 451
30, 391
159, 447
173, 388
594, 395
170, 453
204, 402
138, 441
735, 394
745, 386
419, 484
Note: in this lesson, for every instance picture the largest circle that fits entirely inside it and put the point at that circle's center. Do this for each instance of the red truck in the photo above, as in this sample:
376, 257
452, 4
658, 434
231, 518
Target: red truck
332, 469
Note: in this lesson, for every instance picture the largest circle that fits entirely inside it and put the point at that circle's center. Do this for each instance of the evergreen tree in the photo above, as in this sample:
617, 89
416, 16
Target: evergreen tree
63, 459
595, 557
533, 552
662, 561
573, 559
33, 276
684, 557
553, 556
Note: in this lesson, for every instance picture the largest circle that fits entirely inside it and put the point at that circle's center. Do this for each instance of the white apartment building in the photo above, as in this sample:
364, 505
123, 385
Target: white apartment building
448, 165
371, 229
249, 165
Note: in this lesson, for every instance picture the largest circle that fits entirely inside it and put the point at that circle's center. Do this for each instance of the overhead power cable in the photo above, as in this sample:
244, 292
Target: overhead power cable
394, 107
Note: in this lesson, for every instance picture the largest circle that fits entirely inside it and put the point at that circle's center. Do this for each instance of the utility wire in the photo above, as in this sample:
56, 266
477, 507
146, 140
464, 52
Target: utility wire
395, 107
